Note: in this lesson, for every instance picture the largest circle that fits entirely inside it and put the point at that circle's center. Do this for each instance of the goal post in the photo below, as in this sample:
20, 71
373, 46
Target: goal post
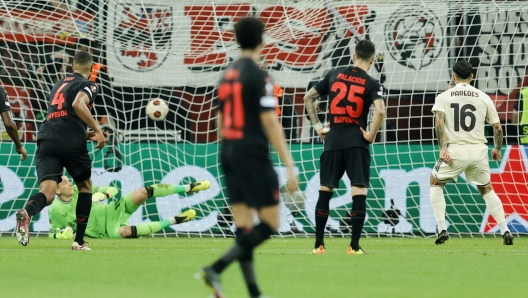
176, 51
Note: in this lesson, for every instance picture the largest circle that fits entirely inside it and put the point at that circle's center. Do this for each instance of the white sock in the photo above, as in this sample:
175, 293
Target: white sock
494, 205
436, 195
187, 188
172, 220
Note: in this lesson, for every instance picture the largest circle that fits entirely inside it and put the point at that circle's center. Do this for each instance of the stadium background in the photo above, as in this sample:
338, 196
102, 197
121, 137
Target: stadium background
175, 50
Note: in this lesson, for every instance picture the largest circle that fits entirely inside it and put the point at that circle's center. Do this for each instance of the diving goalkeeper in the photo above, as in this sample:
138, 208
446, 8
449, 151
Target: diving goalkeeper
111, 221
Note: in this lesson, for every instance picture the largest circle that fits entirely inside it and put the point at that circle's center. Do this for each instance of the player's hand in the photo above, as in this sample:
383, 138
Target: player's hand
100, 138
496, 154
367, 135
90, 135
98, 197
65, 234
22, 151
292, 184
444, 156
321, 132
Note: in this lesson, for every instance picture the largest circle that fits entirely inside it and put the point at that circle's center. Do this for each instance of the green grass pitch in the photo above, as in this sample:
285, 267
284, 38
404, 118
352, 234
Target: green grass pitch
158, 267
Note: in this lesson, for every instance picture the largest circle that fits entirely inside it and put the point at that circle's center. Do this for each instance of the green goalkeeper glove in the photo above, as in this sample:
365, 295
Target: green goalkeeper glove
67, 233
99, 196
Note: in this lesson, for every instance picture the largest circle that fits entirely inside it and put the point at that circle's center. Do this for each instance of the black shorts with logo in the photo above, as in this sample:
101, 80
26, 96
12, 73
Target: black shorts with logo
53, 156
355, 161
249, 175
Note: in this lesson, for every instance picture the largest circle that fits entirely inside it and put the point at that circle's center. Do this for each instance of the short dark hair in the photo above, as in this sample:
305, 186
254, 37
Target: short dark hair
365, 49
462, 69
83, 58
248, 32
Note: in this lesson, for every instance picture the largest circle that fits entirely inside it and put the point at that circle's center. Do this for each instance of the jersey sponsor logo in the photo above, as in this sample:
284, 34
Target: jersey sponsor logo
464, 93
414, 37
143, 36
380, 91
57, 114
351, 79
7, 102
345, 120
68, 79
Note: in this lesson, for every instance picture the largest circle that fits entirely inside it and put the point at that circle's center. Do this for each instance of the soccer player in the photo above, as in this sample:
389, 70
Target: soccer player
248, 121
346, 145
9, 124
111, 220
62, 144
460, 113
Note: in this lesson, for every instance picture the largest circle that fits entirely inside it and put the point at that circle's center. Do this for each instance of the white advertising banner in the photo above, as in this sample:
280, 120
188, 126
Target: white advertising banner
189, 43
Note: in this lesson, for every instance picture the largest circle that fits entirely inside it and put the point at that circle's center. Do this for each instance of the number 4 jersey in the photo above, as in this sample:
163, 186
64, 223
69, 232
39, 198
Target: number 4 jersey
351, 92
62, 122
466, 109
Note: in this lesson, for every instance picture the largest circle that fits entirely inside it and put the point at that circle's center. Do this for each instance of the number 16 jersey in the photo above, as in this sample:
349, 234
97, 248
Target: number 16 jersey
351, 93
62, 122
466, 109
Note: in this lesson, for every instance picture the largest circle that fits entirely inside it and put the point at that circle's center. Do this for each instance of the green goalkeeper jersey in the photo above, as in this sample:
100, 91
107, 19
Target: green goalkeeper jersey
62, 215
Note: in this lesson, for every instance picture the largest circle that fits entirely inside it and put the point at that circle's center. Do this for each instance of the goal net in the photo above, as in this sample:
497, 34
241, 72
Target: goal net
176, 51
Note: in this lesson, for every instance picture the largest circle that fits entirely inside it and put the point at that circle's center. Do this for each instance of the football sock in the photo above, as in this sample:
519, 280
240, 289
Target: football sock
35, 204
82, 213
357, 218
246, 266
244, 244
148, 228
322, 210
496, 210
162, 190
438, 204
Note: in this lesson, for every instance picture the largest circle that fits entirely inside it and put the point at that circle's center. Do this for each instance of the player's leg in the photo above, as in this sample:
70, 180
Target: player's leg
140, 196
332, 169
441, 174
244, 222
496, 210
78, 164
49, 171
479, 173
357, 163
83, 208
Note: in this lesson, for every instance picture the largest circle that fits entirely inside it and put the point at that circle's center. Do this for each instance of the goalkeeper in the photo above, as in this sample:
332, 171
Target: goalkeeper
111, 221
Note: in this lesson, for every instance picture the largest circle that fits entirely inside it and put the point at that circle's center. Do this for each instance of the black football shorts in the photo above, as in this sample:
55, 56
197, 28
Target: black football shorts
354, 161
249, 176
53, 156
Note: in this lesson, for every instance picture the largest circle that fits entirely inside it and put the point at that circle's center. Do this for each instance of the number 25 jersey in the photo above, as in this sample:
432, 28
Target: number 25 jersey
466, 108
62, 123
351, 92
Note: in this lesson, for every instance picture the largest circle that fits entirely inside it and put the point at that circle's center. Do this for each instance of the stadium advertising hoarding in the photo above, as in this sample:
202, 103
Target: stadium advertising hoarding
398, 173
189, 43
18, 25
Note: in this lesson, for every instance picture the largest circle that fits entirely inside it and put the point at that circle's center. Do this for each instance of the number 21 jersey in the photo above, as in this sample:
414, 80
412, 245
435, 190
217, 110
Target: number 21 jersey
351, 92
62, 123
466, 109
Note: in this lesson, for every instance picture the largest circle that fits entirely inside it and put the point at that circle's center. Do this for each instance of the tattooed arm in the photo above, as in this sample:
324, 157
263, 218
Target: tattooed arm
309, 99
440, 135
497, 138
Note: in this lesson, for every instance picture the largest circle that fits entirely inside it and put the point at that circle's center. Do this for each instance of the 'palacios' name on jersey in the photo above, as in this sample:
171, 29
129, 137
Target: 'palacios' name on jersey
351, 79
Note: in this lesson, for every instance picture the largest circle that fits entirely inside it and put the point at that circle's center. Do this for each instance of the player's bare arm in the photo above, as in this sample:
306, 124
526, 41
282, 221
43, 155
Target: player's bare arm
12, 131
276, 137
440, 135
379, 115
309, 100
497, 138
80, 105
